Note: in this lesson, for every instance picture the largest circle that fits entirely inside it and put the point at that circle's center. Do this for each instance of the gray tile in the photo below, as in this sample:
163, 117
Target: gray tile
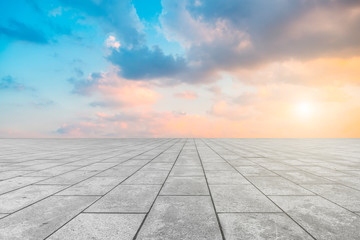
321, 218
211, 159
12, 174
260, 226
301, 177
277, 166
41, 219
15, 200
347, 197
100, 226
120, 171
355, 173
185, 186
69, 178
18, 182
136, 162
254, 171
329, 167
147, 177
225, 178
98, 167
181, 217
241, 162
188, 161
322, 171
157, 167
93, 186
278, 186
353, 182
52, 171
219, 166
127, 198
240, 198
187, 171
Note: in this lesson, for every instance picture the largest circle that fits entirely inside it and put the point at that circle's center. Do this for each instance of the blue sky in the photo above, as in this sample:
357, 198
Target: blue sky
106, 68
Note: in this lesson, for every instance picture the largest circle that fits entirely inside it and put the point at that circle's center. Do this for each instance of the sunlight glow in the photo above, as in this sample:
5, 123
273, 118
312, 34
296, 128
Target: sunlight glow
304, 109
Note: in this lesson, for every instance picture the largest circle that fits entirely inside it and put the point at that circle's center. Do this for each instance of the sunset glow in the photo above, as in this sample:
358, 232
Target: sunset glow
304, 109
165, 68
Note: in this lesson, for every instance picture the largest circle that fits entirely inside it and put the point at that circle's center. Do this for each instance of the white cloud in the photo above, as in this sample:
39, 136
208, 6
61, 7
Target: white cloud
111, 42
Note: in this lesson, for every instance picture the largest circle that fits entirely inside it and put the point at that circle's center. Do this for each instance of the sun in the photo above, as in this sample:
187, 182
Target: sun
304, 109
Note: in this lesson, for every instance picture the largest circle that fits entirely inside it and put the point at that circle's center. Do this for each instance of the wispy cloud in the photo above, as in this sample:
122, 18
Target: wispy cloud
9, 83
186, 95
113, 91
21, 31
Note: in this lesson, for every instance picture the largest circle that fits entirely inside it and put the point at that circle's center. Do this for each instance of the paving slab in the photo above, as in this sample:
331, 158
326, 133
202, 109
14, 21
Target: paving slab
69, 178
93, 186
98, 166
147, 177
353, 182
127, 199
321, 218
51, 172
100, 226
322, 171
18, 182
134, 162
12, 174
121, 170
240, 162
189, 160
185, 186
346, 197
187, 171
181, 217
15, 200
265, 226
225, 178
43, 218
278, 186
218, 166
159, 188
256, 171
241, 198
155, 166
302, 177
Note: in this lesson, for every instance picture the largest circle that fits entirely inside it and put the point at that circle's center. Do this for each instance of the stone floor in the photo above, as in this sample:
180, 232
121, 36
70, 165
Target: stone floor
179, 189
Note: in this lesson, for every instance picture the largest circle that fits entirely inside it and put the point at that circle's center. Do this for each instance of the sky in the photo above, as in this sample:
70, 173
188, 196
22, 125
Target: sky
184, 68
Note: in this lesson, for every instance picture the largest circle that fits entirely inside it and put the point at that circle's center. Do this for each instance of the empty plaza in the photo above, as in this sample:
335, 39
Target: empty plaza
179, 188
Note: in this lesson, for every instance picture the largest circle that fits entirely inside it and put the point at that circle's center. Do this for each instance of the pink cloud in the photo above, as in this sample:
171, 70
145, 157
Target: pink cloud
128, 94
116, 92
186, 95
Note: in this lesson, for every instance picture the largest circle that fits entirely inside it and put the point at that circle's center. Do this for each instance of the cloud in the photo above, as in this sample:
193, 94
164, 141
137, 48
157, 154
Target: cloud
31, 24
268, 111
186, 95
116, 16
231, 35
150, 124
113, 91
111, 42
78, 72
78, 130
145, 63
20, 31
43, 103
312, 72
9, 83
233, 112
86, 86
